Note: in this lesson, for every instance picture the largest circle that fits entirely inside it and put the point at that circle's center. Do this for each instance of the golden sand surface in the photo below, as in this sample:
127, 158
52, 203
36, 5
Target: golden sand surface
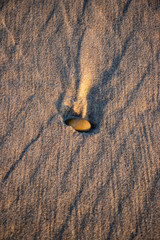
96, 60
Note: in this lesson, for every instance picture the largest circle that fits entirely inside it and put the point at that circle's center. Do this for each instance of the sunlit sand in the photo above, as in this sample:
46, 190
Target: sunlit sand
79, 119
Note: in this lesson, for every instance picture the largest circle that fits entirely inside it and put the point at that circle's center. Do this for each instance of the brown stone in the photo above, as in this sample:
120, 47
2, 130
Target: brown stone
79, 124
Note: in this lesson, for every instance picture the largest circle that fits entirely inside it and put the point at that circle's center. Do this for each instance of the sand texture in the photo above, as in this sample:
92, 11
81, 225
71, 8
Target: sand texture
94, 59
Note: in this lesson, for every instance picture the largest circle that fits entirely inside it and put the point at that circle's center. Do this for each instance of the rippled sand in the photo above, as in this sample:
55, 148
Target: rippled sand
97, 60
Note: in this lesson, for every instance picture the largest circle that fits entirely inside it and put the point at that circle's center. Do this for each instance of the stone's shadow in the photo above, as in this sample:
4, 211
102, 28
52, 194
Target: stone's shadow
98, 97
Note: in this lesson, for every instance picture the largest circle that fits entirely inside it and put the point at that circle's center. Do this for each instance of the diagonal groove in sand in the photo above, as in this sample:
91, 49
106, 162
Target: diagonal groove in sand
125, 9
72, 207
14, 165
50, 16
69, 167
85, 4
12, 123
121, 17
2, 5
117, 60
149, 195
132, 95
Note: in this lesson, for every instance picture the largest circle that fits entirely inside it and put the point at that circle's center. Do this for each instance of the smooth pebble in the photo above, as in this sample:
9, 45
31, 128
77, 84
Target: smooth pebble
79, 124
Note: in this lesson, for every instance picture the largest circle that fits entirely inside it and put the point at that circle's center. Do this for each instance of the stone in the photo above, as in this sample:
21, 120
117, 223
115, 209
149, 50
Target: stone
79, 124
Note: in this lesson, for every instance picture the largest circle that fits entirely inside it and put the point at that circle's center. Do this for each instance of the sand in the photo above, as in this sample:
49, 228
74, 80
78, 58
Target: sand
98, 60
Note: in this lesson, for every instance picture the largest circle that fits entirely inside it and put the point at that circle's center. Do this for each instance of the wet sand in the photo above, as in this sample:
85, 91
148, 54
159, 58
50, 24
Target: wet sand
98, 60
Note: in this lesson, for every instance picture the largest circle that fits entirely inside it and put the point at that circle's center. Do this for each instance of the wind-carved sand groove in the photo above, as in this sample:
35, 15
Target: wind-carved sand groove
80, 106
88, 64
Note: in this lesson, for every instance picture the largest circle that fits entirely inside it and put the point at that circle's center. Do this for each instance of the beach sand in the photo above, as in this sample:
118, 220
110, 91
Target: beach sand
98, 60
